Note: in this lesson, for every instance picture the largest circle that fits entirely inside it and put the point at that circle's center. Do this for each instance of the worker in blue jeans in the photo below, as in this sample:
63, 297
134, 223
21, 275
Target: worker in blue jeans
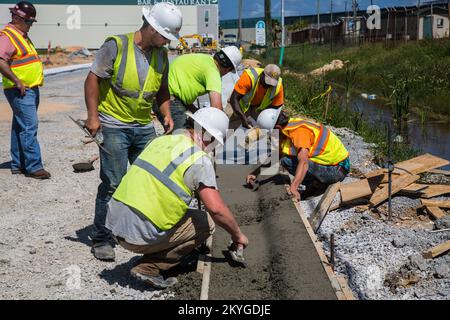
129, 74
23, 74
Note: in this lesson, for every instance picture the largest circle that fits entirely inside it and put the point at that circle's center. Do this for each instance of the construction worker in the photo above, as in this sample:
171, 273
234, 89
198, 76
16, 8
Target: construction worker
23, 74
310, 151
149, 212
256, 90
193, 75
130, 72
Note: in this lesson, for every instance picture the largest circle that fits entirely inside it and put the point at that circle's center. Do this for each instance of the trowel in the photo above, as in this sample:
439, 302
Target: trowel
237, 254
85, 165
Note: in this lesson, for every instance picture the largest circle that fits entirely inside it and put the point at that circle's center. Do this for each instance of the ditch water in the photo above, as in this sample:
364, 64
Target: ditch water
431, 137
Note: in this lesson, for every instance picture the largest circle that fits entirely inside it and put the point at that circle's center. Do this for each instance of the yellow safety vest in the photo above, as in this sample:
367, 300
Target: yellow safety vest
246, 101
122, 96
327, 148
154, 184
25, 64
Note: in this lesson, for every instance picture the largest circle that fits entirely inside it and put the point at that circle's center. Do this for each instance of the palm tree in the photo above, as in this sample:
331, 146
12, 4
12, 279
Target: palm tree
268, 19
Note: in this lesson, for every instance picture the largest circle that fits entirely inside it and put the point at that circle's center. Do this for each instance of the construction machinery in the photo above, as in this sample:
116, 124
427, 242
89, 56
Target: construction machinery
205, 43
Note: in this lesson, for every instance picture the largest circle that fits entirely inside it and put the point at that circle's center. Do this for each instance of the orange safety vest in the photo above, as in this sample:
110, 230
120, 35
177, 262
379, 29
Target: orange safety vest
327, 148
25, 64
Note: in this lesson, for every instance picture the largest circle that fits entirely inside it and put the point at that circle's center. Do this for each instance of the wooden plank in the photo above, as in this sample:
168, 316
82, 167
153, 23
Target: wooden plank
397, 184
437, 171
204, 293
435, 212
356, 190
415, 165
323, 206
435, 203
345, 288
437, 250
426, 190
323, 258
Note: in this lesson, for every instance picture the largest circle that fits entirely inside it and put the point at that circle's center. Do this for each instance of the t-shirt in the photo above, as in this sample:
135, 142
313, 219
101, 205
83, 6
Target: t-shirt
103, 67
135, 228
244, 86
302, 138
193, 75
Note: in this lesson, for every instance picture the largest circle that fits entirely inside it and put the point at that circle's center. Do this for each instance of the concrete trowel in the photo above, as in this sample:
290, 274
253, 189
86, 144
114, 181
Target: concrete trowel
237, 254
85, 165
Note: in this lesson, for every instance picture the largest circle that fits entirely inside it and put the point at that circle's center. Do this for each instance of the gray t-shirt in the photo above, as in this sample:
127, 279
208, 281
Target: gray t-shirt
135, 228
103, 67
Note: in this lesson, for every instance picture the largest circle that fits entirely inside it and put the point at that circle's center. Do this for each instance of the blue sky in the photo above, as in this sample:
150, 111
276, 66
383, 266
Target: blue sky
255, 8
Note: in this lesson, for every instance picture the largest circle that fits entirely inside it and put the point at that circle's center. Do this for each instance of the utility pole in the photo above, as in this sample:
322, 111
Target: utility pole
268, 19
418, 20
282, 34
239, 35
331, 11
318, 13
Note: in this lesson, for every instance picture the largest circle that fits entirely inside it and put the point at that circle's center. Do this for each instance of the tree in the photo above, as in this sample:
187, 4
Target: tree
268, 19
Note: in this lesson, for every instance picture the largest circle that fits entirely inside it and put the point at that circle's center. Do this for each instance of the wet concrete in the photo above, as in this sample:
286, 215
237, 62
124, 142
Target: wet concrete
281, 259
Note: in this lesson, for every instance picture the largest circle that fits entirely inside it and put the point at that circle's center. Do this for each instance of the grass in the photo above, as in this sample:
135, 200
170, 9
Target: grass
425, 65
303, 96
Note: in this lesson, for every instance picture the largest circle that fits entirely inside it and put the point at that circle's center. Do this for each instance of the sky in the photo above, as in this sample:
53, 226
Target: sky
255, 8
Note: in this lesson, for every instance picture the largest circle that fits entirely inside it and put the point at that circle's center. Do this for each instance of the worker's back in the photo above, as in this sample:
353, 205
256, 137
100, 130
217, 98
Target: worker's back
193, 75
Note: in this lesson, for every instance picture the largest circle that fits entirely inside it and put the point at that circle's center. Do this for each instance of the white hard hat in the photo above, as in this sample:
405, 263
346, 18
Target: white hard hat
267, 119
165, 18
213, 120
234, 54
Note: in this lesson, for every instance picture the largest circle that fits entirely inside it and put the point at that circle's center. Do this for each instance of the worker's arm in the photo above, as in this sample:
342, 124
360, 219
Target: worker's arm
6, 71
221, 215
300, 172
234, 101
91, 97
215, 99
163, 101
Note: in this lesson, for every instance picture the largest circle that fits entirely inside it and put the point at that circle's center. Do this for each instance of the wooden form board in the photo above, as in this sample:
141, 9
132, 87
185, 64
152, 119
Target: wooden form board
355, 190
398, 184
437, 250
323, 206
435, 203
416, 165
435, 212
437, 171
204, 293
426, 190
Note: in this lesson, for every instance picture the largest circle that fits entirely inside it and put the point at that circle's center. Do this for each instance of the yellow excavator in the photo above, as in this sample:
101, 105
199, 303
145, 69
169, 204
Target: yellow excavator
206, 44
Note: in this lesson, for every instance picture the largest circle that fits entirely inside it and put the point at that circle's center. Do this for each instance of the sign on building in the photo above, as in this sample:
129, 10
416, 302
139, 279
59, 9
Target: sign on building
178, 2
261, 33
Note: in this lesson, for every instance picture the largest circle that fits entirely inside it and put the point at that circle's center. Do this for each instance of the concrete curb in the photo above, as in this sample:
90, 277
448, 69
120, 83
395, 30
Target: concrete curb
59, 70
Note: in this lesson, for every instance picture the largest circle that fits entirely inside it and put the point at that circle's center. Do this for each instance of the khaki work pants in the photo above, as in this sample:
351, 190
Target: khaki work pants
195, 227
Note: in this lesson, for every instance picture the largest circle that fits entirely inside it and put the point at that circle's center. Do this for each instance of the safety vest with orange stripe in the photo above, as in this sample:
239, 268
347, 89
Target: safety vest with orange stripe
327, 148
25, 64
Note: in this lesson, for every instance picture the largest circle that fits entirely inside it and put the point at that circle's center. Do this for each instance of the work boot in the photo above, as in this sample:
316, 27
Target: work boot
151, 276
103, 251
40, 174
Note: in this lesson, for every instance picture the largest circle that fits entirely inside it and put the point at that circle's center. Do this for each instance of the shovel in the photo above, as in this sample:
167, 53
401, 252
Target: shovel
85, 165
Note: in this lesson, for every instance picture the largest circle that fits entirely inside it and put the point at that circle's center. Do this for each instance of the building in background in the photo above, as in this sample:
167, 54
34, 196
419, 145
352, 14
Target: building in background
87, 23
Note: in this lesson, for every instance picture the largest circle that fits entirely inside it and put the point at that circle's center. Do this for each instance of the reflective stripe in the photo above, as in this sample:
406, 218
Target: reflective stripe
180, 159
123, 62
254, 73
293, 124
24, 61
160, 61
164, 179
118, 90
16, 41
248, 97
321, 142
272, 93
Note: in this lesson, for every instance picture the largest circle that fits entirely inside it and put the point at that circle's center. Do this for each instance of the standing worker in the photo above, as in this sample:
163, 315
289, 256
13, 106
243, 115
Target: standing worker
149, 213
193, 75
23, 74
311, 152
129, 72
256, 90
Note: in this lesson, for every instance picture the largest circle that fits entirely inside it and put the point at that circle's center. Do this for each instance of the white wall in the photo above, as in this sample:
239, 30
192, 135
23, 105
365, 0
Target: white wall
119, 20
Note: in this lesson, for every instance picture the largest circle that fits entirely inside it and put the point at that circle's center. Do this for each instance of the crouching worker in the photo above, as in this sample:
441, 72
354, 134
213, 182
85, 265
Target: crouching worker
149, 212
310, 151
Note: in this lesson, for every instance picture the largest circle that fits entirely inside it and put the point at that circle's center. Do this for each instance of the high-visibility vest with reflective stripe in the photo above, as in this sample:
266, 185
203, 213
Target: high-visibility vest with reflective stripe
272, 92
327, 148
154, 184
25, 64
122, 96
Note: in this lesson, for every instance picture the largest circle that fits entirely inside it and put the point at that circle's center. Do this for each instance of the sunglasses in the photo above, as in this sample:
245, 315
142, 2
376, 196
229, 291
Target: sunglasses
28, 22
